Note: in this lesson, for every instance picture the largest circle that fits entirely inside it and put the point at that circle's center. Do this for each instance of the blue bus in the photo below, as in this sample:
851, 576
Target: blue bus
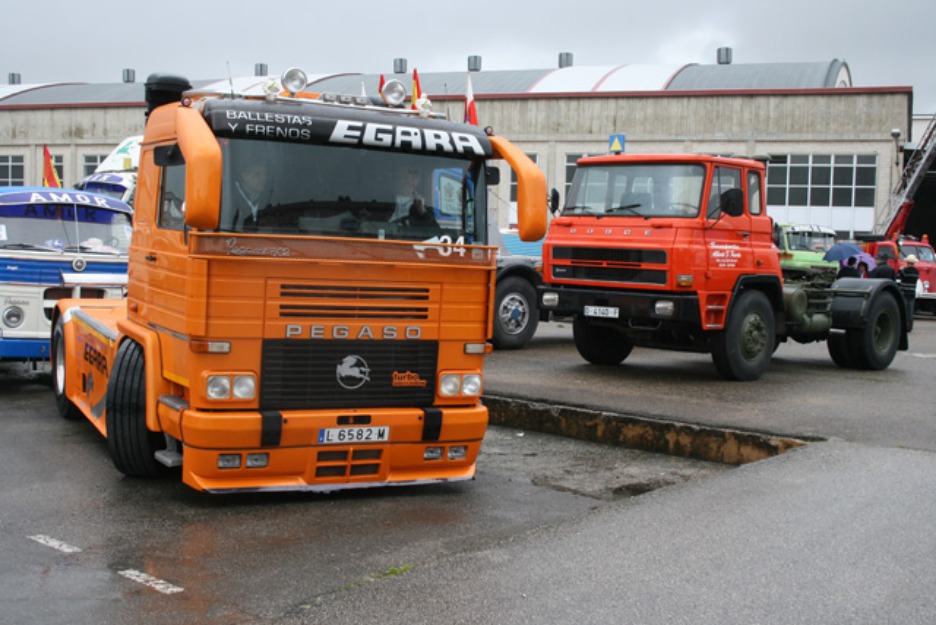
55, 244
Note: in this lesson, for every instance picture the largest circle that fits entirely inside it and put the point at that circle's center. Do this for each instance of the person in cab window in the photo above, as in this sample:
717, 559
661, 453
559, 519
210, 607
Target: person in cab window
252, 195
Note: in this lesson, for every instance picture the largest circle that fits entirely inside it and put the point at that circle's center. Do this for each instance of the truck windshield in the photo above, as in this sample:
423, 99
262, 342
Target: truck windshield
64, 228
663, 190
332, 191
812, 241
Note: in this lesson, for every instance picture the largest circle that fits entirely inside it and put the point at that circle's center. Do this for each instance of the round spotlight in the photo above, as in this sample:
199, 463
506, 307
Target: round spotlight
294, 80
393, 93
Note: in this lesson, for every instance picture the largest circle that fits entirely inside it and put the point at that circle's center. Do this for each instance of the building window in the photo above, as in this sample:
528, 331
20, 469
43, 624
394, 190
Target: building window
58, 162
91, 162
830, 190
12, 171
571, 160
513, 181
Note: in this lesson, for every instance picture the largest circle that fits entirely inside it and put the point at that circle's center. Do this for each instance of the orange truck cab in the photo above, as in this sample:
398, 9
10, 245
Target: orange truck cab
675, 251
293, 321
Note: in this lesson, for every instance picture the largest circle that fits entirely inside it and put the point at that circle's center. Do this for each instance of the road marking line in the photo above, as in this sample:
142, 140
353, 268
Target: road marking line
924, 355
147, 580
58, 545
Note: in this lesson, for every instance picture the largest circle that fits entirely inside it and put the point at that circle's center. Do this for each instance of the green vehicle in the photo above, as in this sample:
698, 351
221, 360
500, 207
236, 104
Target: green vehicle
802, 247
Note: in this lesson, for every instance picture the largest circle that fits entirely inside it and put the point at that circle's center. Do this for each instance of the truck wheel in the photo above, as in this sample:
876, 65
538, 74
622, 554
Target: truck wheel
66, 408
875, 345
841, 352
516, 313
597, 345
132, 446
743, 349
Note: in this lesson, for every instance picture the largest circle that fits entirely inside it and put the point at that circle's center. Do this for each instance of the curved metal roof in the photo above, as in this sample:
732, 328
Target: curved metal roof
570, 80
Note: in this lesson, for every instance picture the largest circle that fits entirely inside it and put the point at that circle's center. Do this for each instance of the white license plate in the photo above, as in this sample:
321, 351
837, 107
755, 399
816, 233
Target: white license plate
602, 311
338, 436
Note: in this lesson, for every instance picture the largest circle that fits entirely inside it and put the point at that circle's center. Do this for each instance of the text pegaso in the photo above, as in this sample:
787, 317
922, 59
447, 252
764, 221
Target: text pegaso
346, 332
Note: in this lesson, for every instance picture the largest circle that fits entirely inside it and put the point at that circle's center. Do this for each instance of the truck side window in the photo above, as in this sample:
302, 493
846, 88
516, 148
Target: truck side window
724, 179
172, 198
754, 192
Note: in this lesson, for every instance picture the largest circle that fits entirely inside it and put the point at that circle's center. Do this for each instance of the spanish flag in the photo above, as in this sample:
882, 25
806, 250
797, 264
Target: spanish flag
50, 177
471, 113
417, 91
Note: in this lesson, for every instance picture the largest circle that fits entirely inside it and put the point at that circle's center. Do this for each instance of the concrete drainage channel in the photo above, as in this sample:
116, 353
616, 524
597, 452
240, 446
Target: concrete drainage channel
621, 466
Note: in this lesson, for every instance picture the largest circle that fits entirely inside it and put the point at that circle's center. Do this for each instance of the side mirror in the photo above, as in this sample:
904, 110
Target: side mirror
492, 175
554, 201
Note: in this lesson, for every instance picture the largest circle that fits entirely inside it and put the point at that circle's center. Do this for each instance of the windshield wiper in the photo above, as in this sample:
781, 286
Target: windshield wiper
29, 246
85, 249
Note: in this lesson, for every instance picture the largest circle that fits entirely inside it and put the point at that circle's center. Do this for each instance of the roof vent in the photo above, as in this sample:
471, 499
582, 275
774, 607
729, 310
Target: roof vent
399, 66
14, 78
261, 69
129, 75
565, 59
474, 63
724, 56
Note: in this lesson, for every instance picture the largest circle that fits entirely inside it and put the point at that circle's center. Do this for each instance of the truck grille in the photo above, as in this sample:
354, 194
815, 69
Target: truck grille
599, 264
313, 301
309, 374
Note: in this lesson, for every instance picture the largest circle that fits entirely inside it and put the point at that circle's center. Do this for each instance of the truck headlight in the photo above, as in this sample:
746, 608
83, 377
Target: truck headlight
471, 385
218, 387
449, 384
231, 386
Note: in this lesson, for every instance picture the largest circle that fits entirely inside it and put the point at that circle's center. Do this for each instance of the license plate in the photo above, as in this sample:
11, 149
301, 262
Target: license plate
609, 312
337, 436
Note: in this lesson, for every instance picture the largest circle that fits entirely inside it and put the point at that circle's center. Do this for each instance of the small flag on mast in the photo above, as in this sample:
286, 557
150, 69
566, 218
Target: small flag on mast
50, 177
417, 91
471, 113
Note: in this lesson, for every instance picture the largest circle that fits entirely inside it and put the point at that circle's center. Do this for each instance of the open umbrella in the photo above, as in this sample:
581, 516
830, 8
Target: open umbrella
841, 251
867, 259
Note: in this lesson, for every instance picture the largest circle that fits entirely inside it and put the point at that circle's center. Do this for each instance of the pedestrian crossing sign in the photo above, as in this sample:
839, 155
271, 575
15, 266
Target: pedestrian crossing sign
616, 143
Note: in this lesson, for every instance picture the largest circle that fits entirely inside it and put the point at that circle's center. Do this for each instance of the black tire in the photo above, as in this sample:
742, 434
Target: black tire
600, 345
66, 408
132, 447
516, 314
743, 349
841, 352
875, 345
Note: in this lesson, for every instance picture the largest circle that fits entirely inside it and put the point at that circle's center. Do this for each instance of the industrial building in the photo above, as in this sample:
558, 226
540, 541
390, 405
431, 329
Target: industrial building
836, 151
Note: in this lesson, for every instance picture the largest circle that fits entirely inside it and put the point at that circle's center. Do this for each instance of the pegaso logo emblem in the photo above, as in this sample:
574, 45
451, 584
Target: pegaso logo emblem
352, 373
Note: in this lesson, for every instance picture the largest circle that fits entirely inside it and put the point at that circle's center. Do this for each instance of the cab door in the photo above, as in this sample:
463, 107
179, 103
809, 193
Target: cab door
728, 238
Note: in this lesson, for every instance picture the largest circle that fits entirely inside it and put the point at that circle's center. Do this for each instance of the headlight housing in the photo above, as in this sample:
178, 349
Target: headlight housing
242, 386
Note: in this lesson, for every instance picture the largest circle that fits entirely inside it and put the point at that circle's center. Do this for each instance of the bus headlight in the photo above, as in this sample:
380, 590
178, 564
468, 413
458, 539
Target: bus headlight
13, 317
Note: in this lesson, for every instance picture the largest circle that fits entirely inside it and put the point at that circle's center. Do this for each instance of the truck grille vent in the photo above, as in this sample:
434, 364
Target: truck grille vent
308, 374
609, 255
306, 301
598, 264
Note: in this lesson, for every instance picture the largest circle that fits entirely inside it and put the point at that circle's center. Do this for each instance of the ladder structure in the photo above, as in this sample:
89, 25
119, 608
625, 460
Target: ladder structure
910, 179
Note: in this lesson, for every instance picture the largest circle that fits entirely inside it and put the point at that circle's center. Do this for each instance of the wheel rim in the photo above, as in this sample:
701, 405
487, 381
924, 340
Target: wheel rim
59, 366
753, 338
513, 314
884, 329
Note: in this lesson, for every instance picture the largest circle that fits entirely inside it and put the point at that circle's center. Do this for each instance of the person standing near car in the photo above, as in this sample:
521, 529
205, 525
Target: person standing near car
883, 270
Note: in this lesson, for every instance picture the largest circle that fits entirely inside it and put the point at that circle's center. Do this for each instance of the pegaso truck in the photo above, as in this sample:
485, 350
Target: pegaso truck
290, 323
675, 251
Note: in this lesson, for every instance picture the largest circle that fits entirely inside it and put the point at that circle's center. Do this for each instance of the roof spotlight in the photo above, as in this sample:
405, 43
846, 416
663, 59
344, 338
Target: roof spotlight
393, 93
294, 80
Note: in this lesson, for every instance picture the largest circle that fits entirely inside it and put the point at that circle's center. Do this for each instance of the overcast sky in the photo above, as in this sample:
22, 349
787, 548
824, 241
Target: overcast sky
885, 42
